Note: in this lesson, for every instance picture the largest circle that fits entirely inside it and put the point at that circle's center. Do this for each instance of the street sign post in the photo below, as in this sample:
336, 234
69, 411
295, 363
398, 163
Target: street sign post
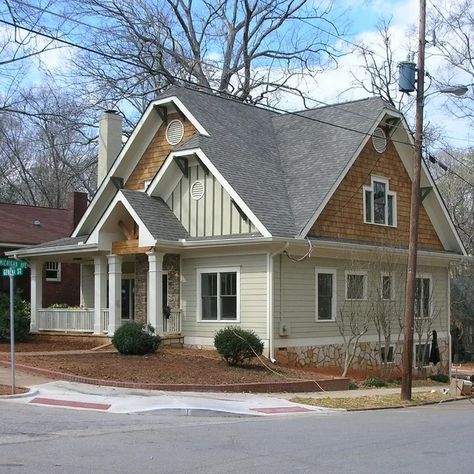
13, 268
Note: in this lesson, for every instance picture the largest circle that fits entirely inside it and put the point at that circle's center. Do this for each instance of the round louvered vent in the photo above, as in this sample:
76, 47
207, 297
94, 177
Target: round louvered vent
197, 190
174, 132
379, 140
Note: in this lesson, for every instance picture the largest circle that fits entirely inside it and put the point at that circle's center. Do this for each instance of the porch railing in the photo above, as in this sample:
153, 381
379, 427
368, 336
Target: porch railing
172, 324
65, 319
104, 316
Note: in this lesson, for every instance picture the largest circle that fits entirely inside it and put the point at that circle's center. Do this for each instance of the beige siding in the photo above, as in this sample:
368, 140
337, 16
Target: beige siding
212, 215
298, 303
253, 294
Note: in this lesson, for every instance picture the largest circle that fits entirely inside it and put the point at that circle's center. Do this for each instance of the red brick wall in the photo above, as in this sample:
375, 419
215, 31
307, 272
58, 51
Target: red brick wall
66, 291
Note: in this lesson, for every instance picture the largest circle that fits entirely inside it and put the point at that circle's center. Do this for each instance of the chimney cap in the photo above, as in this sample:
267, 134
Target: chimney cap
111, 111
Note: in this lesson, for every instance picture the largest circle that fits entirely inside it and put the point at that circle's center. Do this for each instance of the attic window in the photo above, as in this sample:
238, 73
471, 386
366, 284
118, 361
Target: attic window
197, 190
174, 132
379, 140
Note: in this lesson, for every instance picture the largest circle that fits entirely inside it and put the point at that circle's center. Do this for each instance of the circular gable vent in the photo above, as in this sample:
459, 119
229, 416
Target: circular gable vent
379, 140
197, 190
174, 132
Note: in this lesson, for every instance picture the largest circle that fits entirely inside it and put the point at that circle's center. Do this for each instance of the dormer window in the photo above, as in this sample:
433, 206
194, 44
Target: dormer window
380, 204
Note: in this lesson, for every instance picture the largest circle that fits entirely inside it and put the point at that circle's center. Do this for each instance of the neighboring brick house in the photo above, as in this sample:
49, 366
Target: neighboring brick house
23, 226
286, 224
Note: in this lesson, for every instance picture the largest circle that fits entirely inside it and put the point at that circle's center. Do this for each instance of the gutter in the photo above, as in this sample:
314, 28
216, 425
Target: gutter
270, 328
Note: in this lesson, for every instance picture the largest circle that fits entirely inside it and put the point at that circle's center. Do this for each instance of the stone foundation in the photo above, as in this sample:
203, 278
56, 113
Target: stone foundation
367, 357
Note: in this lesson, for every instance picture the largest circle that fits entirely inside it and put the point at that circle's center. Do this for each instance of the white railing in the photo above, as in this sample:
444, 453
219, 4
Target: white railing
65, 319
173, 323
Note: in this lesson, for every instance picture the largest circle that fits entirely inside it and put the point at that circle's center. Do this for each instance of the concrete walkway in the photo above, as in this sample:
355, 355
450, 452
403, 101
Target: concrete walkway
73, 395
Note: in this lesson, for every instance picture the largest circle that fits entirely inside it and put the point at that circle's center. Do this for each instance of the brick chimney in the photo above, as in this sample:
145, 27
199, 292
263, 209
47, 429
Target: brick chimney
76, 206
110, 142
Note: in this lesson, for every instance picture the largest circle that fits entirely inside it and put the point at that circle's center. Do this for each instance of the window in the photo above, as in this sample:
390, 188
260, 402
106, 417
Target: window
325, 295
53, 271
218, 294
380, 203
389, 354
356, 285
422, 354
387, 286
423, 297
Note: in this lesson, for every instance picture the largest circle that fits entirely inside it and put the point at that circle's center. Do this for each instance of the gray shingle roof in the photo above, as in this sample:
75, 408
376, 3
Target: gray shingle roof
156, 215
281, 165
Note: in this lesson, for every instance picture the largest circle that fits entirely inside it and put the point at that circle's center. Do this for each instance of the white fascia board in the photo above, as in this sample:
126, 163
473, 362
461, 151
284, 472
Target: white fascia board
354, 157
145, 237
126, 148
222, 181
76, 248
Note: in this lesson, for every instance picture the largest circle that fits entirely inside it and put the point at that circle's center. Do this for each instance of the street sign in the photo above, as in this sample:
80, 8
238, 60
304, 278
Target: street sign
12, 271
12, 263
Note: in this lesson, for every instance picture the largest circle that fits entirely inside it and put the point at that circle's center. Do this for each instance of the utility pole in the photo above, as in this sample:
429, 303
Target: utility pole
407, 363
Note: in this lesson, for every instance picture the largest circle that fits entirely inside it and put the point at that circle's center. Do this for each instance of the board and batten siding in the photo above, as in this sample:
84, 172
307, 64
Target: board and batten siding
295, 295
253, 294
212, 215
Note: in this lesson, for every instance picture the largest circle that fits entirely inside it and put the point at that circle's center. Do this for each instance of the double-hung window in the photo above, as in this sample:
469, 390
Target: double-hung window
387, 290
356, 285
53, 271
423, 296
325, 294
218, 294
380, 204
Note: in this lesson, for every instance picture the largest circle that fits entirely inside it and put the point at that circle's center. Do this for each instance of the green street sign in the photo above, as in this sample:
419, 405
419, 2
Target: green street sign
12, 271
12, 263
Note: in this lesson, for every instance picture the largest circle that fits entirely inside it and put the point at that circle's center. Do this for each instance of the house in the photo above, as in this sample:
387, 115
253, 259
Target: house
293, 225
22, 226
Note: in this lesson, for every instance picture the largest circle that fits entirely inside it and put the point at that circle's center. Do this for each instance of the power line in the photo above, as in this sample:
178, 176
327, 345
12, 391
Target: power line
448, 169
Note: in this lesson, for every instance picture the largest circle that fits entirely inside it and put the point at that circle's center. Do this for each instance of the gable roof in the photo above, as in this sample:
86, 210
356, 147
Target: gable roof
17, 224
156, 216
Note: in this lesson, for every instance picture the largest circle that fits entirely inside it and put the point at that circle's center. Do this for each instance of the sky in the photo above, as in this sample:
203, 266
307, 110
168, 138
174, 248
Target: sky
360, 18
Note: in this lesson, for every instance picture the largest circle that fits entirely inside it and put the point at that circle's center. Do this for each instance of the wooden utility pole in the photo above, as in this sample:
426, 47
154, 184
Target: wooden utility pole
407, 363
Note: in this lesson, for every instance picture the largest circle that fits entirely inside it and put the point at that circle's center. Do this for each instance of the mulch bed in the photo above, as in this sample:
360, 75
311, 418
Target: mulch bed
167, 366
7, 390
48, 346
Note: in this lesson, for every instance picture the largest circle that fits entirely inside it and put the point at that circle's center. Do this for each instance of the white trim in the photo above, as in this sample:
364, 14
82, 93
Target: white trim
218, 271
333, 272
392, 285
365, 188
363, 273
415, 343
391, 346
328, 196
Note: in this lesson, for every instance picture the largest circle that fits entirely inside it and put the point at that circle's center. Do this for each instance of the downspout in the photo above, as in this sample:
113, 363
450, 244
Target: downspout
270, 300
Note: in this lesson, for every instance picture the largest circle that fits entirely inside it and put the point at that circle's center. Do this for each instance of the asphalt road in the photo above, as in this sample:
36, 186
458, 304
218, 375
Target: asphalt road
434, 439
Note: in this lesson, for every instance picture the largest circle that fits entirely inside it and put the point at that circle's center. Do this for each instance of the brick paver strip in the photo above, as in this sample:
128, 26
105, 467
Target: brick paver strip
282, 410
70, 403
340, 383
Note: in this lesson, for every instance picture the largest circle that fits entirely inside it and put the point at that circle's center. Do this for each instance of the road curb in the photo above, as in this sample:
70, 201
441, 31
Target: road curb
30, 393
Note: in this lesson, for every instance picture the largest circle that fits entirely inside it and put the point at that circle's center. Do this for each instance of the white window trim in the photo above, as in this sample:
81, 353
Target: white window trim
58, 277
427, 276
333, 272
392, 285
393, 353
217, 270
415, 343
370, 188
356, 272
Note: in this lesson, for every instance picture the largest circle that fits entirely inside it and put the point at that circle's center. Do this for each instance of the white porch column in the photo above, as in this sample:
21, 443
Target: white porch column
87, 286
155, 290
36, 268
100, 292
115, 292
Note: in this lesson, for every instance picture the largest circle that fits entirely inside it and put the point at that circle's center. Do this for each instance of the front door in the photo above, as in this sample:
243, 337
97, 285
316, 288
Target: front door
128, 298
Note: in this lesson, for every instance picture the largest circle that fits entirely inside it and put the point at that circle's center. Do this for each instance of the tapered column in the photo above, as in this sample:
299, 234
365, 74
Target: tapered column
36, 269
100, 292
155, 291
115, 293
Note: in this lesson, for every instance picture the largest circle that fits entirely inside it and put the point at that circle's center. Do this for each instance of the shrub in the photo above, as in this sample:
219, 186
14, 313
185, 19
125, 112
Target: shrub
440, 378
236, 345
21, 318
134, 338
372, 381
